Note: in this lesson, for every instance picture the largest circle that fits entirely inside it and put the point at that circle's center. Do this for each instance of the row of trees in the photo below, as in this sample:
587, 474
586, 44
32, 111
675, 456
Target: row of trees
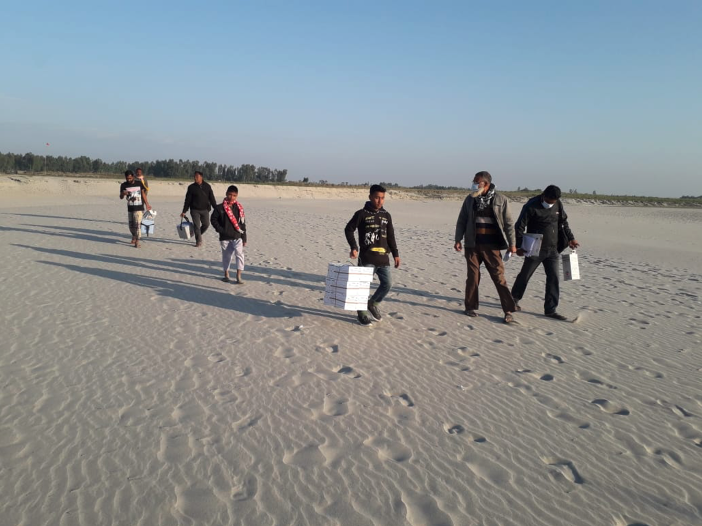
180, 169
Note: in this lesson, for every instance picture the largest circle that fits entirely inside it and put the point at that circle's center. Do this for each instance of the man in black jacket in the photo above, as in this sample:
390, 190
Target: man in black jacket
230, 221
199, 199
376, 235
543, 214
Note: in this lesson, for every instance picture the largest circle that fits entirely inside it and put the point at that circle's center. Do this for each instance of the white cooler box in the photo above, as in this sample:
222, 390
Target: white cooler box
348, 287
147, 222
147, 227
186, 229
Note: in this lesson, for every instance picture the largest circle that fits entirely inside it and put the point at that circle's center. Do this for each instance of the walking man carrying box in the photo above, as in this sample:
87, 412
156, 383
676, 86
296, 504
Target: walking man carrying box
544, 215
376, 236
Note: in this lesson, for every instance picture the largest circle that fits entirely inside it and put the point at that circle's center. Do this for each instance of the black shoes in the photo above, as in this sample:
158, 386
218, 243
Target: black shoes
363, 319
374, 310
556, 316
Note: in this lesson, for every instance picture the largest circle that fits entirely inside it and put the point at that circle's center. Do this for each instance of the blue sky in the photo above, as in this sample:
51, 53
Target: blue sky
592, 95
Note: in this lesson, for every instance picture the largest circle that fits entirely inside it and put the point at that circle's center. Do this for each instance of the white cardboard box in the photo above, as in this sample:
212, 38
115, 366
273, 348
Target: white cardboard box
571, 269
339, 283
347, 286
531, 244
350, 272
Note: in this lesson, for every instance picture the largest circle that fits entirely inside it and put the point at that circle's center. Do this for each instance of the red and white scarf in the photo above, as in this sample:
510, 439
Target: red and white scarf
232, 217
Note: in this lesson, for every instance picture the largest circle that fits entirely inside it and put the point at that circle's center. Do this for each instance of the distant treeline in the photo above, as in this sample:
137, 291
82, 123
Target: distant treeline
180, 169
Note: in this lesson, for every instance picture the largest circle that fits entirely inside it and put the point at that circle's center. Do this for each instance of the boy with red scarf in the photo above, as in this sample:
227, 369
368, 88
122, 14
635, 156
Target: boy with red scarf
229, 221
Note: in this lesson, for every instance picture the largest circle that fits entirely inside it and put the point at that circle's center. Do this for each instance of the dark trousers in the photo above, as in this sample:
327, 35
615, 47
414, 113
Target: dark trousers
549, 259
493, 263
201, 222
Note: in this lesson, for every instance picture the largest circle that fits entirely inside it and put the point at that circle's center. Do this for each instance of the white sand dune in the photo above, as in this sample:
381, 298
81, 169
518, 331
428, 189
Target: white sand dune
138, 389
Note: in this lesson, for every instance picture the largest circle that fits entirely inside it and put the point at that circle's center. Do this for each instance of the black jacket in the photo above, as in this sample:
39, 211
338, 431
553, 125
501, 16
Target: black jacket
535, 219
221, 223
375, 233
199, 197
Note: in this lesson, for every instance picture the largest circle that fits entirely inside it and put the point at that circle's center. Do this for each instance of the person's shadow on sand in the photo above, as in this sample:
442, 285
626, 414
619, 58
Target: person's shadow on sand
202, 295
85, 234
81, 219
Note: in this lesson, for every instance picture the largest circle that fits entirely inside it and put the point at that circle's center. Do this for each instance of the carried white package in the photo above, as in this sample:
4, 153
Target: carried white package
347, 286
531, 244
147, 222
186, 229
571, 270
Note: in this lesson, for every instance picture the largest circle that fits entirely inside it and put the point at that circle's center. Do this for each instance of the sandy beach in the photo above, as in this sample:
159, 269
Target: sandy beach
138, 389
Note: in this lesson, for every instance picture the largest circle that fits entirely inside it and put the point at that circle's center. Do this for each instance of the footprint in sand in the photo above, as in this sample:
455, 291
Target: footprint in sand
553, 358
331, 348
488, 470
455, 429
611, 408
591, 379
647, 372
584, 351
348, 371
689, 433
285, 352
240, 372
396, 315
460, 366
389, 450
568, 418
667, 456
216, 357
336, 406
246, 423
465, 351
565, 472
305, 458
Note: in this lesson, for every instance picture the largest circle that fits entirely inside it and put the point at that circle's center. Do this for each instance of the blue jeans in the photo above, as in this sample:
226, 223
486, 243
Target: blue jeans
385, 277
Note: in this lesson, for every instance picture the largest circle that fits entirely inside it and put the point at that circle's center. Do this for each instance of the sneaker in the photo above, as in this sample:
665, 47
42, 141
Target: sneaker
374, 310
363, 319
471, 313
556, 316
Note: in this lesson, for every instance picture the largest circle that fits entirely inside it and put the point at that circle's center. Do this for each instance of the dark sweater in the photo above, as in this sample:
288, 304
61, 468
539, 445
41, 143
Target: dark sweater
199, 197
221, 223
535, 219
375, 233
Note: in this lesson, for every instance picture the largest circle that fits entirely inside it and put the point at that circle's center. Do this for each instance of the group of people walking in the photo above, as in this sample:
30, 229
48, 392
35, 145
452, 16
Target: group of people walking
483, 229
227, 218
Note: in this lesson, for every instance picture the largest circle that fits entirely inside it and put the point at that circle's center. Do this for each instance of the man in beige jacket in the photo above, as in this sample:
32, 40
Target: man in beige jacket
485, 227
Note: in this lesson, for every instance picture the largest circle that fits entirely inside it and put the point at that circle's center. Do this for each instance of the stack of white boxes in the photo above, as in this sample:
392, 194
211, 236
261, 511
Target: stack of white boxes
348, 287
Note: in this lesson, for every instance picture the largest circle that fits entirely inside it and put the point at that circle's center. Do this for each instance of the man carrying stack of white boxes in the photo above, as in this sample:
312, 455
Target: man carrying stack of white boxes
376, 237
